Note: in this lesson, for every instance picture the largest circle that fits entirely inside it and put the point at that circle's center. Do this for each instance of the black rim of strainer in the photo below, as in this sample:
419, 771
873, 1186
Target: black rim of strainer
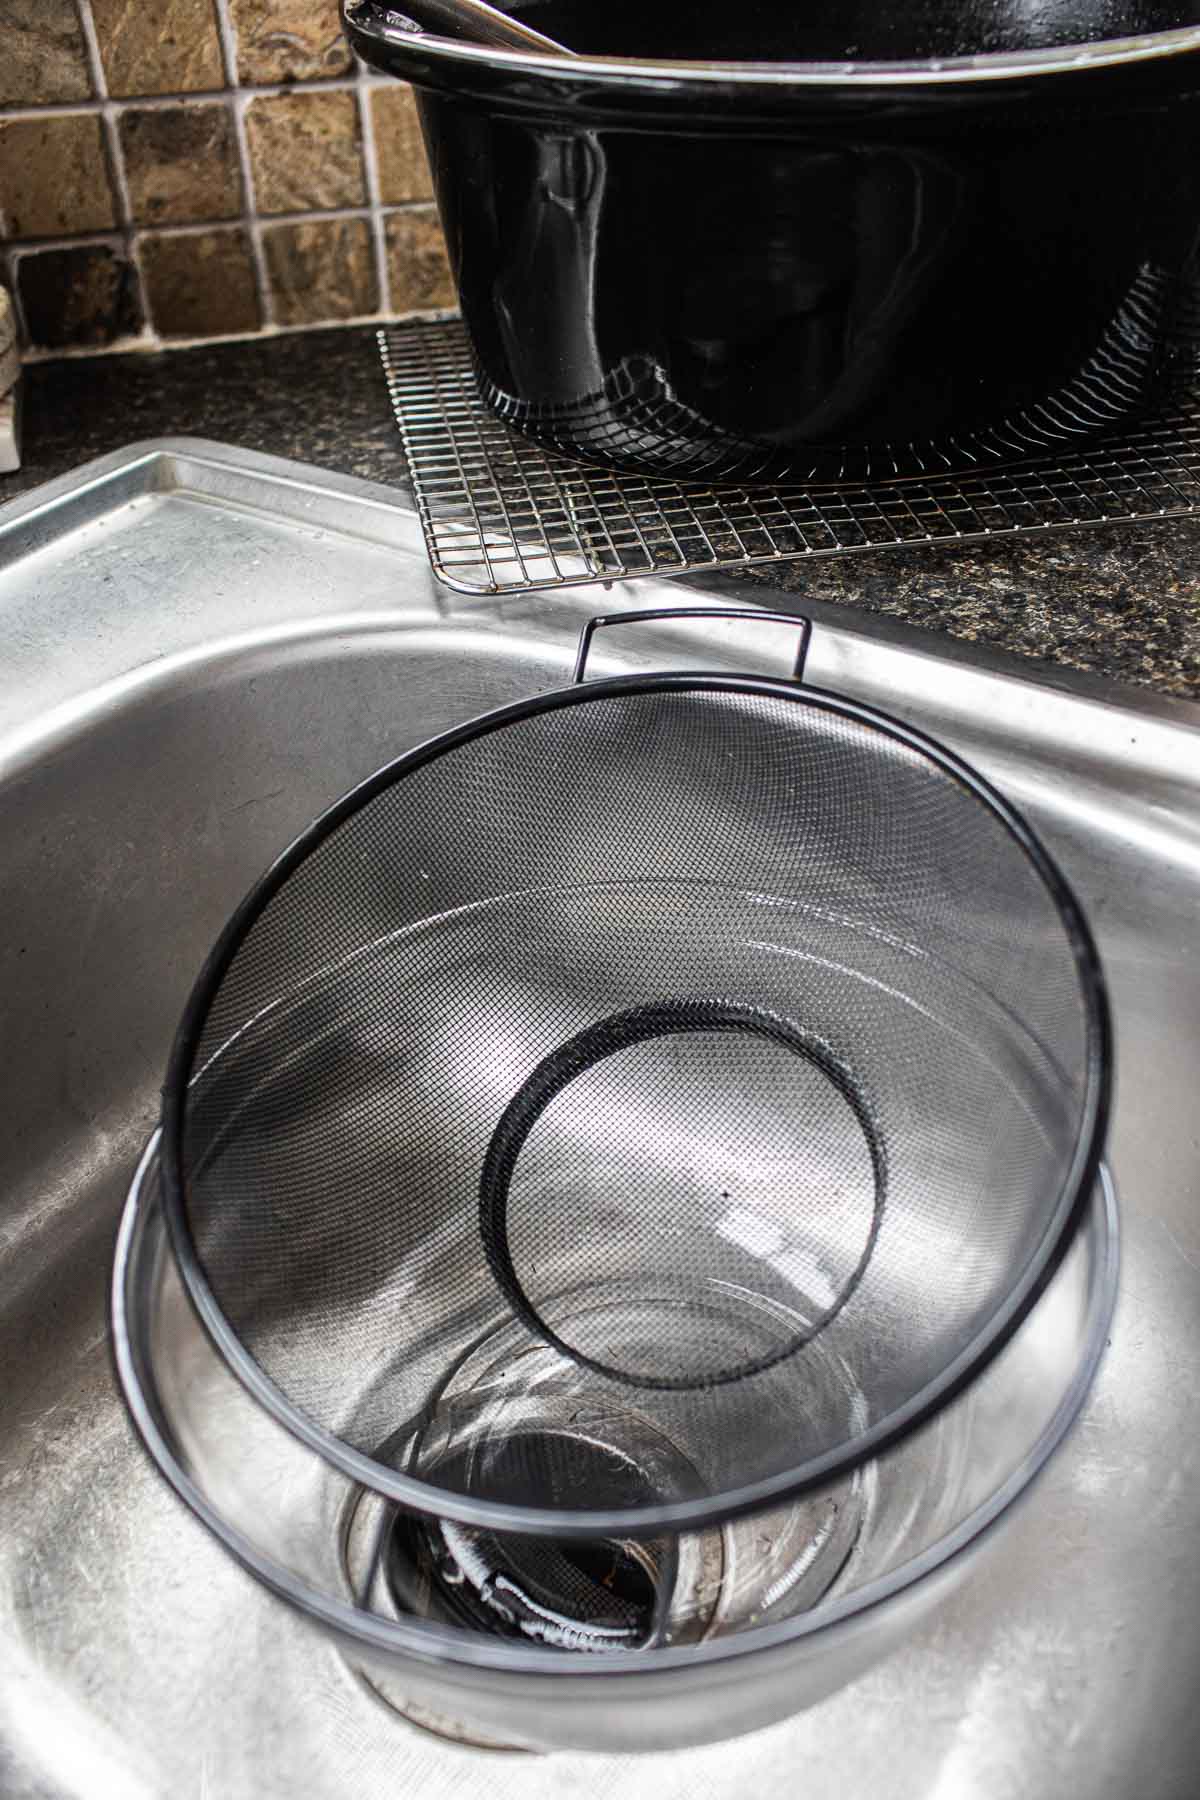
578, 1056
696, 1512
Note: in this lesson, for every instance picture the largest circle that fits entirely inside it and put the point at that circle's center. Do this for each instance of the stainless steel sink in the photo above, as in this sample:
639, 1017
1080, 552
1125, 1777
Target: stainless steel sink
201, 649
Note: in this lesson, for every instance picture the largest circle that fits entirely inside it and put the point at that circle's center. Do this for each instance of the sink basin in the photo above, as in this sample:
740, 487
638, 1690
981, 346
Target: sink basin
203, 648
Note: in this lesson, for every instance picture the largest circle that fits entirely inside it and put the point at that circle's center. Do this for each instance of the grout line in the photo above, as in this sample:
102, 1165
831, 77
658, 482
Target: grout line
78, 240
115, 238
116, 155
227, 37
370, 161
151, 342
43, 109
68, 240
106, 111
262, 281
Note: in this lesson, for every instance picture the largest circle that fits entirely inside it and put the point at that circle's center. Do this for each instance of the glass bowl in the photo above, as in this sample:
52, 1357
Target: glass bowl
641, 1644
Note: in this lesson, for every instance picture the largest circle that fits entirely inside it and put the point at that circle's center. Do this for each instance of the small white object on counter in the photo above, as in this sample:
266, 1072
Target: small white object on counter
10, 388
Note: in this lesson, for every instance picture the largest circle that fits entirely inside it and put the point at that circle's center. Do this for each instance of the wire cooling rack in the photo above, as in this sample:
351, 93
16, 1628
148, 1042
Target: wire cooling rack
501, 514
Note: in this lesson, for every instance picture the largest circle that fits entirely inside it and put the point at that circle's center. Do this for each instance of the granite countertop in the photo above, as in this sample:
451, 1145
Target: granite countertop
1122, 602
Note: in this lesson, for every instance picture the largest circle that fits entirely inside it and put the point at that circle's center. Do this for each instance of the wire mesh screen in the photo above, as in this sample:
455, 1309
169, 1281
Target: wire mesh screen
501, 513
714, 1054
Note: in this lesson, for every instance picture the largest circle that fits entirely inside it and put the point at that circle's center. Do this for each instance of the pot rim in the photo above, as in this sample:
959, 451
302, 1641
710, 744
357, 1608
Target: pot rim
385, 28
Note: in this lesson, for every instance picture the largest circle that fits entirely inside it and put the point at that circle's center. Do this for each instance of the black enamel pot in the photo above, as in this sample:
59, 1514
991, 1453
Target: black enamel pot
742, 242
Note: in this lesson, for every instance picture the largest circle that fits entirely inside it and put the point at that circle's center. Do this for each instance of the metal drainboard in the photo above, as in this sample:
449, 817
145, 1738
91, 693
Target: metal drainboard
501, 514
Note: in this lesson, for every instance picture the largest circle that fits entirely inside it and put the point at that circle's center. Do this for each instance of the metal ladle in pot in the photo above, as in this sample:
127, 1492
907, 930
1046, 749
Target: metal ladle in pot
475, 22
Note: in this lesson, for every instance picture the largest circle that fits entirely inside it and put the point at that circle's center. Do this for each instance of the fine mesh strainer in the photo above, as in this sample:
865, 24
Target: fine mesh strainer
636, 1105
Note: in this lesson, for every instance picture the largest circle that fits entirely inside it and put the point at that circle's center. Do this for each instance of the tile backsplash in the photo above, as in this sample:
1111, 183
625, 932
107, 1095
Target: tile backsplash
204, 168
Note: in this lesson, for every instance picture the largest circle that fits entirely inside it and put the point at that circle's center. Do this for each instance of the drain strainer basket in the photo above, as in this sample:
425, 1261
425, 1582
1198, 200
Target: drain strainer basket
636, 1105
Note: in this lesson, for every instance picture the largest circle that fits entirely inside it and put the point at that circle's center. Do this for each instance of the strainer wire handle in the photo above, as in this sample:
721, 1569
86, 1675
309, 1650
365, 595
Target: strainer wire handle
802, 625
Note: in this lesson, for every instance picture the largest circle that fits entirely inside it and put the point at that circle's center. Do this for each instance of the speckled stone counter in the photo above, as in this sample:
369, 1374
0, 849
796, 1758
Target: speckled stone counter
1122, 602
